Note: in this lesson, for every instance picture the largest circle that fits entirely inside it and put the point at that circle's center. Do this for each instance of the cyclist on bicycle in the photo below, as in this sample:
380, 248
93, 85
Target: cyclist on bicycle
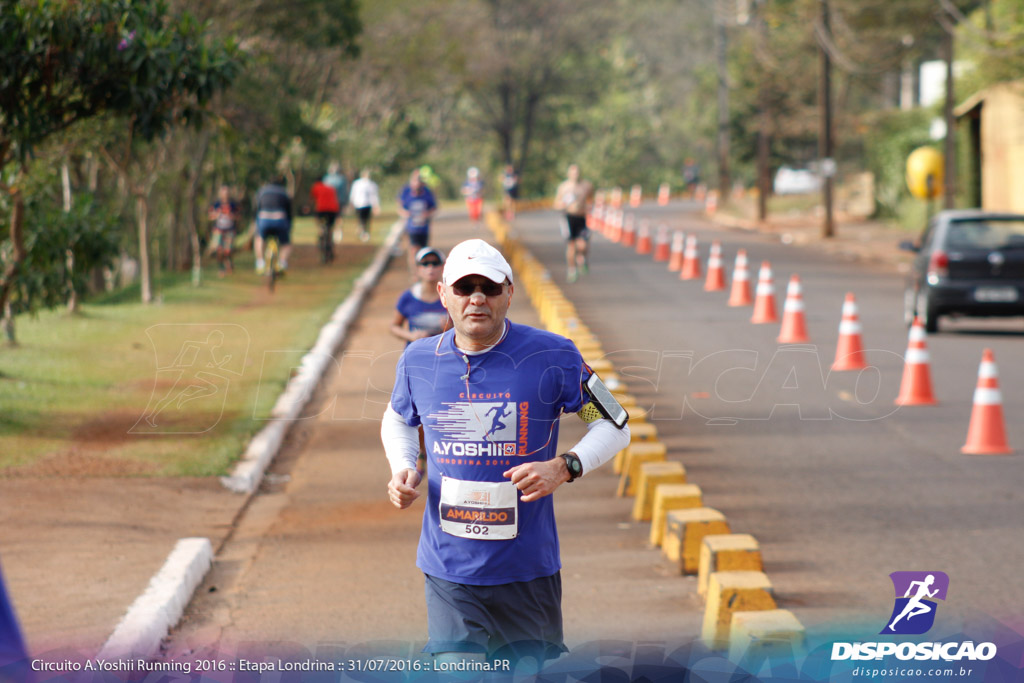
273, 217
327, 208
224, 213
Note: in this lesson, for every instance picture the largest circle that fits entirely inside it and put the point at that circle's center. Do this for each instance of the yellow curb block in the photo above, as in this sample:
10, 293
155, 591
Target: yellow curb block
633, 456
756, 636
684, 531
643, 432
727, 552
652, 474
669, 497
728, 593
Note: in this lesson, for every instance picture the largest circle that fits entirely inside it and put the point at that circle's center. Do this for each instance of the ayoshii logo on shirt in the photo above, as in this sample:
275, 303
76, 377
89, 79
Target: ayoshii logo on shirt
476, 428
916, 595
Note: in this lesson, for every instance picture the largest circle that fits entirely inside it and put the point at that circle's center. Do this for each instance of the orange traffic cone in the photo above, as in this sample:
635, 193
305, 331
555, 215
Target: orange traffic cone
794, 324
643, 242
616, 199
636, 196
691, 264
711, 204
663, 194
661, 245
629, 232
850, 350
715, 280
700, 193
615, 228
916, 387
740, 294
764, 304
986, 434
675, 259
598, 225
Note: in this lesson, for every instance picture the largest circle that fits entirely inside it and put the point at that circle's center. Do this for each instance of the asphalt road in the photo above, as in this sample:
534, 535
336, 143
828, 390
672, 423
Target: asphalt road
839, 486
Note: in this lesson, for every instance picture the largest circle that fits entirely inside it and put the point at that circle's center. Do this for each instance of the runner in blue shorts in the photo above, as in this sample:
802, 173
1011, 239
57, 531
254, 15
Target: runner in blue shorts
416, 204
273, 217
489, 394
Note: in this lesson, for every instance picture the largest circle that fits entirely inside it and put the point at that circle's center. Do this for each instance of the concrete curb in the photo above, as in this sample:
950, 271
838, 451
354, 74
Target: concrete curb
160, 607
248, 473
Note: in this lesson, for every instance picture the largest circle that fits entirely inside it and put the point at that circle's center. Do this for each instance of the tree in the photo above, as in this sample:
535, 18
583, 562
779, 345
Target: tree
521, 54
61, 249
66, 62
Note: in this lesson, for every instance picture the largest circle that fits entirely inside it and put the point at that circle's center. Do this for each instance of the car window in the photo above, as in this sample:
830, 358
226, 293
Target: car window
985, 234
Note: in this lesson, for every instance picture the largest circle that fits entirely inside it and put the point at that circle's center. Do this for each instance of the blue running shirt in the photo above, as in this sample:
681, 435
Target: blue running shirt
504, 414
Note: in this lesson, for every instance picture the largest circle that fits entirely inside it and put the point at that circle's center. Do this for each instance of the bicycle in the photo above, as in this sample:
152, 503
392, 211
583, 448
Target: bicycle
326, 242
272, 258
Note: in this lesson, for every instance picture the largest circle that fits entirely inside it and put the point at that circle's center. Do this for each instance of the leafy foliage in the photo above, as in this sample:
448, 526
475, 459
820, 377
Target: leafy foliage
63, 249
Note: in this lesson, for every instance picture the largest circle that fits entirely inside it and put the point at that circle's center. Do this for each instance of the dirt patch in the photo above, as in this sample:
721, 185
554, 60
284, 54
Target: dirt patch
81, 463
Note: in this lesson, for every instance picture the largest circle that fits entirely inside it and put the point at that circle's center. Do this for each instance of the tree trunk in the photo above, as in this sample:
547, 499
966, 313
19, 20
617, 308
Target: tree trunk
142, 216
65, 182
192, 203
17, 256
174, 255
7, 325
532, 100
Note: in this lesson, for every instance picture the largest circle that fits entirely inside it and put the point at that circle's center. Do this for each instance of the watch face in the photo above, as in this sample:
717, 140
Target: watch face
574, 465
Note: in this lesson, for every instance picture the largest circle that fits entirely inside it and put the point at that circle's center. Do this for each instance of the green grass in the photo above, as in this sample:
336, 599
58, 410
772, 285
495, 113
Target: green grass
74, 392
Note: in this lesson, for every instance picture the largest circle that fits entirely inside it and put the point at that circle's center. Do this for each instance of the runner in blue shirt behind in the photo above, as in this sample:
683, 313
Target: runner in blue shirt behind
416, 204
489, 394
419, 312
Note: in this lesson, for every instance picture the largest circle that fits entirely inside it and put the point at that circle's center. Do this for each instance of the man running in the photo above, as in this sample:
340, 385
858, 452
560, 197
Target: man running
489, 547
573, 197
273, 217
416, 204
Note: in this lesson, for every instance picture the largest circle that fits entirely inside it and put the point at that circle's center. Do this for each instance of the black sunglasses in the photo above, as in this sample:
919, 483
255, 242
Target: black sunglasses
430, 263
487, 288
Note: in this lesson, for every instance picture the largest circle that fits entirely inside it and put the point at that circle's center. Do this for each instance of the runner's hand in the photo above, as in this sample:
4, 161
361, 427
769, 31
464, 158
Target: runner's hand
538, 479
402, 488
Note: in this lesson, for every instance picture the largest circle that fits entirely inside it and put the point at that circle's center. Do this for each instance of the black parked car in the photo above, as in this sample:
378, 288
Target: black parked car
969, 262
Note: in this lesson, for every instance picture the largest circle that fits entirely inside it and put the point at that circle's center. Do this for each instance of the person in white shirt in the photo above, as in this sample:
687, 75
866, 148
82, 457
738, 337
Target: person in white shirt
365, 199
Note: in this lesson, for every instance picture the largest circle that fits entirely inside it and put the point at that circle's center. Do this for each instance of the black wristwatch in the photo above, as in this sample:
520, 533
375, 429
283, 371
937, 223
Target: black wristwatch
573, 464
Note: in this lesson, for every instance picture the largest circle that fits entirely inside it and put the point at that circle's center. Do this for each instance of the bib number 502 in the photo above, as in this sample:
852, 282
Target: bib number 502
476, 529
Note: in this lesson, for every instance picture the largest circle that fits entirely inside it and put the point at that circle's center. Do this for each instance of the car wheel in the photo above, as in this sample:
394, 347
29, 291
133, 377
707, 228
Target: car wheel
926, 312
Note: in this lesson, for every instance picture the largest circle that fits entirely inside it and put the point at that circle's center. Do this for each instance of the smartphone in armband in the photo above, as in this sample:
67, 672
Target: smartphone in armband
605, 401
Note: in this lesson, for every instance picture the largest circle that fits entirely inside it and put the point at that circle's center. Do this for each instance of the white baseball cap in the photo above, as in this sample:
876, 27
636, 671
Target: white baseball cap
476, 257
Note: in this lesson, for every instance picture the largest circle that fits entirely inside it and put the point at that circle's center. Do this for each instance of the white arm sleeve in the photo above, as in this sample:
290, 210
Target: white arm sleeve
601, 442
401, 442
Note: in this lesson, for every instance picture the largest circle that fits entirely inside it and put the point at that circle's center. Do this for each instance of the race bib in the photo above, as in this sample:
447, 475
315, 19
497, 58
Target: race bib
484, 510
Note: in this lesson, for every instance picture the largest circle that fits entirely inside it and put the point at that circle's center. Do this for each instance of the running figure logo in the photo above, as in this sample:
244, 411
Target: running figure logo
914, 612
489, 421
194, 370
499, 412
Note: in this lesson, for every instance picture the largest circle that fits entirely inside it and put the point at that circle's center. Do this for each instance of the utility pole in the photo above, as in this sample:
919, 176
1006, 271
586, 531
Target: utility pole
764, 183
721, 59
949, 172
828, 163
